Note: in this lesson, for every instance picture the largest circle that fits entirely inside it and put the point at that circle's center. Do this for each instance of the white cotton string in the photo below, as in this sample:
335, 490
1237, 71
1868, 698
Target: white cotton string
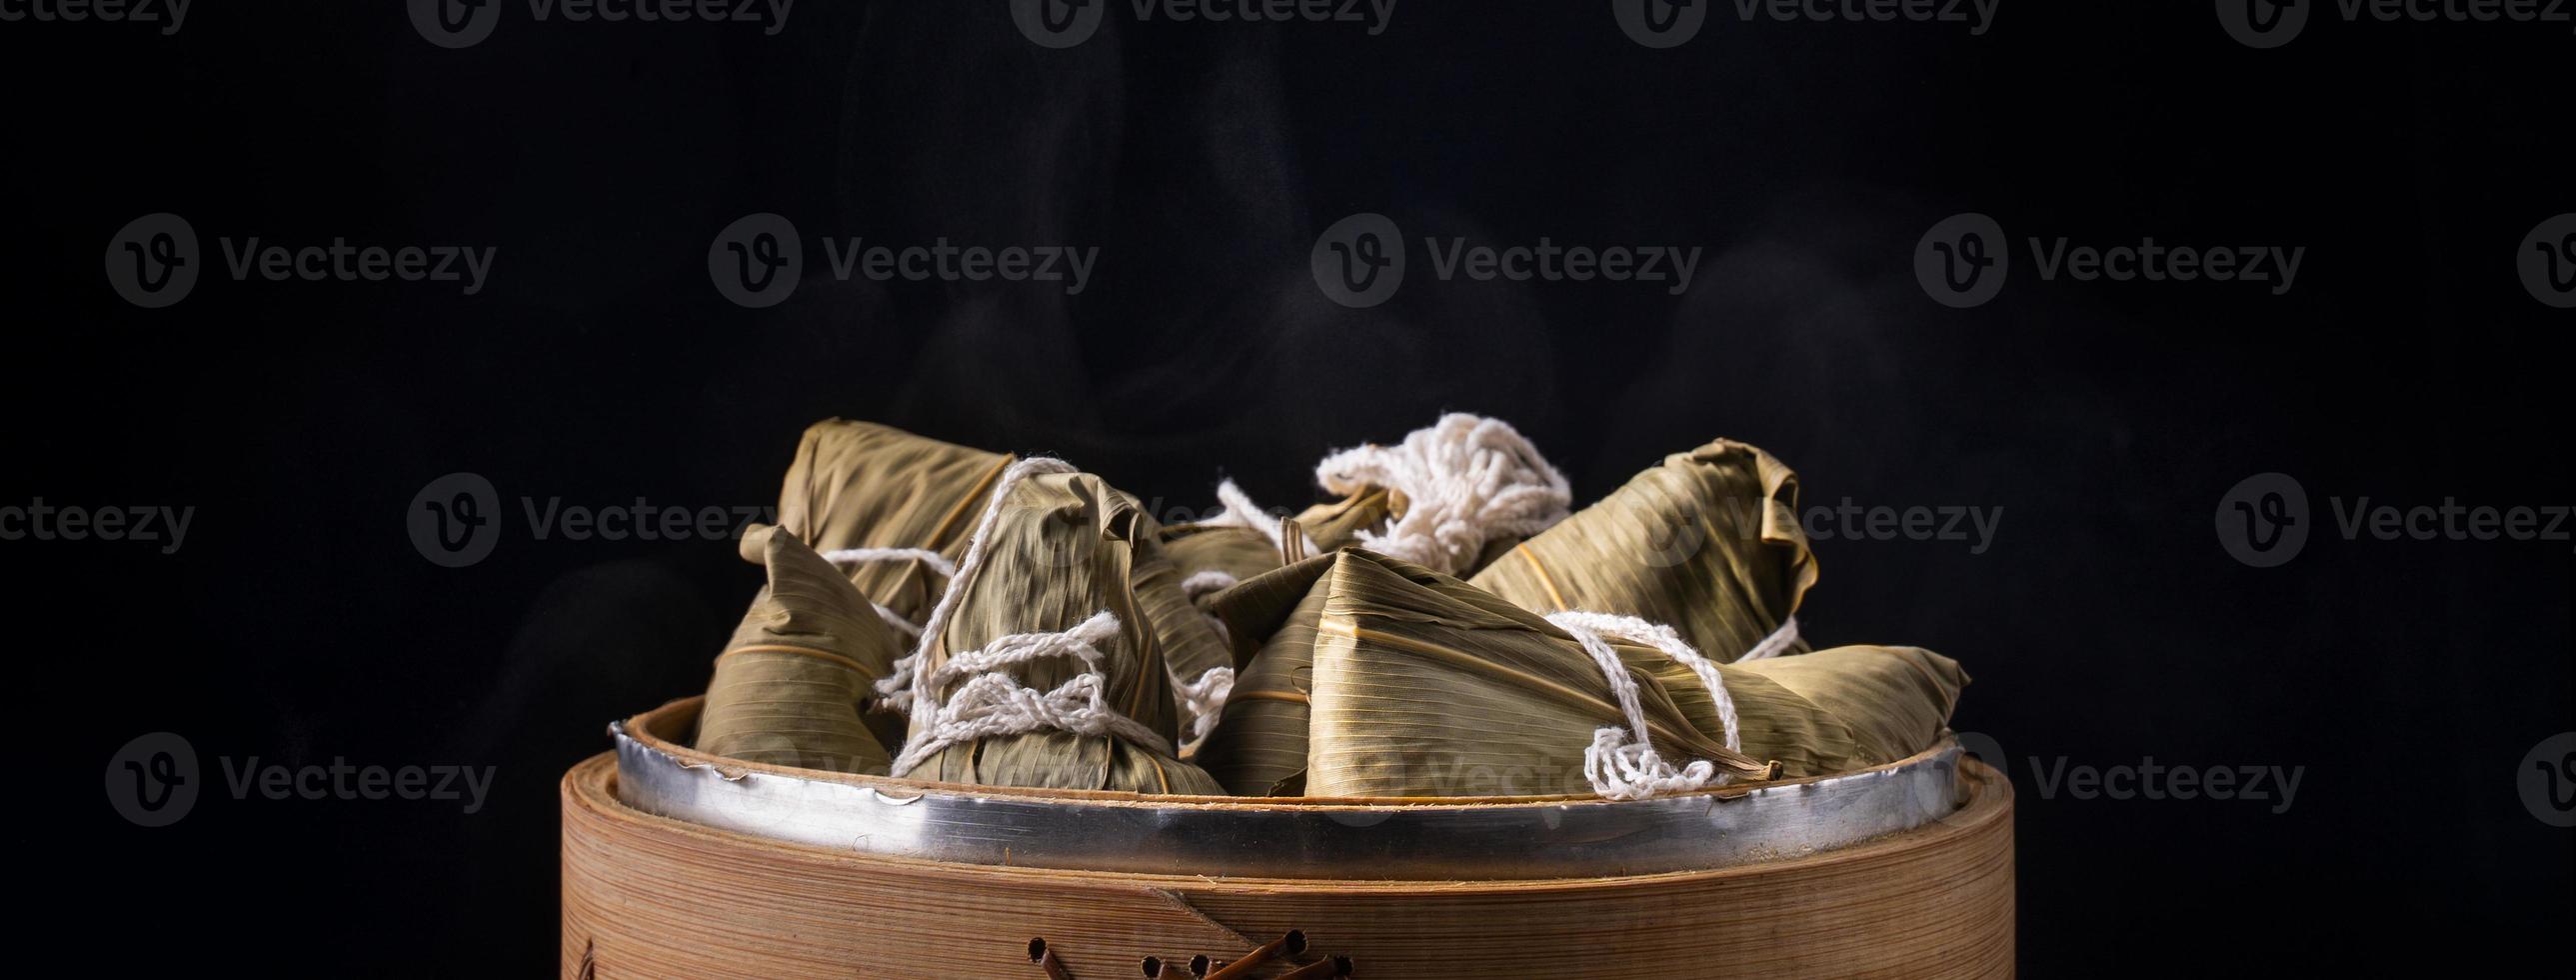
1664, 638
991, 702
908, 628
1775, 644
1204, 699
1620, 769
1203, 584
1466, 480
907, 671
1240, 511
932, 560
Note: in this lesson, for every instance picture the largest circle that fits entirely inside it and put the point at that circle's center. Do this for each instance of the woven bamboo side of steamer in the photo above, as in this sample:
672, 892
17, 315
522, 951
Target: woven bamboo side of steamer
645, 896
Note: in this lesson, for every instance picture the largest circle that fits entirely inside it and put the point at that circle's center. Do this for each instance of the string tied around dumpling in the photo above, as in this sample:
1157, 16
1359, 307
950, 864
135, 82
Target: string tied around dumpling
1203, 700
1466, 480
1621, 769
988, 701
906, 675
935, 562
1775, 644
1240, 511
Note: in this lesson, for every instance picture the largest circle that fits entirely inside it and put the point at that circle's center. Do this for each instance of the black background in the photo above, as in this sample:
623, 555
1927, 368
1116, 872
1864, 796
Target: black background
2105, 625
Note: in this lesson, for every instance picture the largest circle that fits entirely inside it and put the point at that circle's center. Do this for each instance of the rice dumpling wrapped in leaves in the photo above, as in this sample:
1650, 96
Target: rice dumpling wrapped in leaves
1834, 710
787, 688
1379, 677
1707, 543
1046, 666
863, 487
1376, 677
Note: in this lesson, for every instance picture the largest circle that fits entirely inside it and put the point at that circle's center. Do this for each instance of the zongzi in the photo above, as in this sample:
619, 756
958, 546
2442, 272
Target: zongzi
787, 688
1043, 665
1707, 543
1377, 677
861, 490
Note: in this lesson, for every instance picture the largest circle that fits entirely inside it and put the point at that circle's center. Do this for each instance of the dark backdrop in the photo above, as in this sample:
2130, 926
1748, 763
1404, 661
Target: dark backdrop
2105, 625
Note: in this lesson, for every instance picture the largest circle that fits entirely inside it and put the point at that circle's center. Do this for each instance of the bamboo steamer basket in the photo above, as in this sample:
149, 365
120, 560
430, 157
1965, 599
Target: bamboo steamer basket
678, 864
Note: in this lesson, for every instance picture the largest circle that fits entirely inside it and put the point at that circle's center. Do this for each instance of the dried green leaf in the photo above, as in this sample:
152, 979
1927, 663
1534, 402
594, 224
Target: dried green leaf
1707, 543
787, 688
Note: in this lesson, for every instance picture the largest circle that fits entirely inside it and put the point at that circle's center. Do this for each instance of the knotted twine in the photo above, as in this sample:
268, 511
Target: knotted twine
1466, 480
1204, 699
1620, 769
990, 701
